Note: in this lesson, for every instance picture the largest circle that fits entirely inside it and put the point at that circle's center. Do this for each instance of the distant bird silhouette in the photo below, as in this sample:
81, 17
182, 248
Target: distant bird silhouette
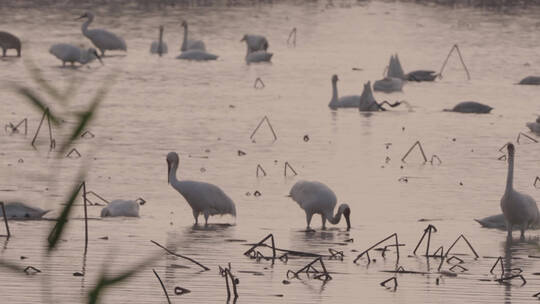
530, 80
21, 211
470, 107
190, 44
9, 41
159, 47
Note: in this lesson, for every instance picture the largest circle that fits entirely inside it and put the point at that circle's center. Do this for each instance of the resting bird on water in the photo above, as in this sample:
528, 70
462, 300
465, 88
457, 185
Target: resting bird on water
518, 208
122, 208
202, 197
22, 211
317, 198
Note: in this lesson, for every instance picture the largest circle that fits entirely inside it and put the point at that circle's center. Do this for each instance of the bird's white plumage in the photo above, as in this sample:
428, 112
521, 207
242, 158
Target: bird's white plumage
21, 211
317, 198
498, 222
352, 101
258, 56
388, 85
518, 208
102, 39
203, 198
535, 126
191, 44
255, 42
121, 208
197, 55
71, 53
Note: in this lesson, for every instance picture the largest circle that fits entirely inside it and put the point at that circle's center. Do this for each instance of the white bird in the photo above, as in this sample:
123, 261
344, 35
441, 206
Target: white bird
102, 39
22, 211
258, 56
535, 126
352, 101
255, 42
470, 107
395, 70
159, 47
388, 85
71, 53
122, 208
518, 208
197, 55
317, 198
189, 44
202, 197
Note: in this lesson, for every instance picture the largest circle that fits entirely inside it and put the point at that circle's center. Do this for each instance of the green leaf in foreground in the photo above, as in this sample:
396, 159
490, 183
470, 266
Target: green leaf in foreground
105, 281
37, 102
56, 232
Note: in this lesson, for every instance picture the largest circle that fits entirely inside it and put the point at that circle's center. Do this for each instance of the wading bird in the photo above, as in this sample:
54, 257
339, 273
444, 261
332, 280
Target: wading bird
203, 198
518, 208
159, 47
102, 39
9, 41
317, 198
122, 208
189, 44
71, 53
22, 211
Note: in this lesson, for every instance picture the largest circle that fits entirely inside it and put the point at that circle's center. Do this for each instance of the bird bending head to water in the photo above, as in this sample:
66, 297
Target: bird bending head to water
317, 198
518, 208
202, 197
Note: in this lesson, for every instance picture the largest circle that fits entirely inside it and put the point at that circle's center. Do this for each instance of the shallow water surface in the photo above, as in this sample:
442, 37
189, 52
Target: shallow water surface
207, 112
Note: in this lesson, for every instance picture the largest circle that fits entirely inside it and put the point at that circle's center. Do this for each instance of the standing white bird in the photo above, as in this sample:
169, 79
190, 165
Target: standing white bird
352, 101
71, 53
202, 197
122, 208
317, 198
159, 47
190, 44
518, 208
255, 42
22, 211
102, 39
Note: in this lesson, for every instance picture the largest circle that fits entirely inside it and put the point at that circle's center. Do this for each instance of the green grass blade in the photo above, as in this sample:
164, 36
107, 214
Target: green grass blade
37, 102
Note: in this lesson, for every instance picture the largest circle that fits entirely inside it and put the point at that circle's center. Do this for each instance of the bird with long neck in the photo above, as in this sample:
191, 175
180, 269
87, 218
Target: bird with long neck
189, 44
203, 198
159, 47
102, 39
317, 198
518, 208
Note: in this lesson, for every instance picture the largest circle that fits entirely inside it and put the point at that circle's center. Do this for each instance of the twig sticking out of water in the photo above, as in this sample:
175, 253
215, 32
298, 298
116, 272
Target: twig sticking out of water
334, 254
15, 128
259, 84
417, 143
180, 256
499, 261
46, 113
463, 269
536, 295
5, 220
502, 157
162, 286
442, 258
260, 168
536, 180
309, 268
468, 243
226, 272
394, 279
87, 134
265, 118
525, 135
98, 196
287, 165
435, 157
455, 47
508, 278
427, 231
502, 148
261, 243
28, 270
73, 153
292, 35
366, 252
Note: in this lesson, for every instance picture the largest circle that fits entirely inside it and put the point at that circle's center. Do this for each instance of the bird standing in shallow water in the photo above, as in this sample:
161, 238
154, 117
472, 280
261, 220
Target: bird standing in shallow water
102, 39
202, 197
518, 208
317, 198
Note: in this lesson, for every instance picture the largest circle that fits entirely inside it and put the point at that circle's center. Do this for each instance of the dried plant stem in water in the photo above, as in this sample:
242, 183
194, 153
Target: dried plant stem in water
292, 35
417, 143
162, 286
468, 243
525, 135
265, 118
260, 168
427, 231
5, 219
287, 165
180, 256
261, 243
52, 141
455, 47
366, 252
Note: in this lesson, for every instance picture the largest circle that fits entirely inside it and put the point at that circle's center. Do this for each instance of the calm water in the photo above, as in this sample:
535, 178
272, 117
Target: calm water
208, 111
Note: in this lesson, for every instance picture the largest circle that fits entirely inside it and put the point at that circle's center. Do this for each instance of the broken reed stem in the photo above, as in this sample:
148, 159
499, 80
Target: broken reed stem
179, 255
428, 230
5, 219
387, 238
292, 34
15, 128
83, 185
98, 196
525, 135
290, 167
455, 47
417, 143
260, 168
499, 261
467, 241
162, 286
537, 179
383, 283
257, 81
265, 118
271, 237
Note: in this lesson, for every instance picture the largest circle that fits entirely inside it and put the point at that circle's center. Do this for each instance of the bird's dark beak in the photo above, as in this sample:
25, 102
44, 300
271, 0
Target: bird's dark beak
347, 214
82, 16
168, 172
99, 58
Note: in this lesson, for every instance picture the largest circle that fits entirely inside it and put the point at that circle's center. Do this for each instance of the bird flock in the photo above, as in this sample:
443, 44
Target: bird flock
518, 209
